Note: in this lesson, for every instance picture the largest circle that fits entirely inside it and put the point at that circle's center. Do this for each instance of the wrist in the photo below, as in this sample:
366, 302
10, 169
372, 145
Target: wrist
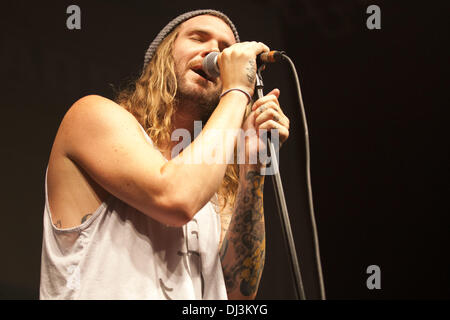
246, 168
236, 91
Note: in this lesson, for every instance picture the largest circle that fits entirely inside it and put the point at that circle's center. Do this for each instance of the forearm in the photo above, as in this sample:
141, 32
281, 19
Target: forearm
197, 172
243, 250
199, 182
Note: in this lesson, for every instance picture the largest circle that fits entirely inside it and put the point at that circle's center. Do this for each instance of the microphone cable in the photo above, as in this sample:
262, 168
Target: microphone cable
210, 67
308, 178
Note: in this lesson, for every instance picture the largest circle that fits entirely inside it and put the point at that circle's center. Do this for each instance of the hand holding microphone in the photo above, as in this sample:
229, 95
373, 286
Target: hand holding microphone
211, 67
237, 65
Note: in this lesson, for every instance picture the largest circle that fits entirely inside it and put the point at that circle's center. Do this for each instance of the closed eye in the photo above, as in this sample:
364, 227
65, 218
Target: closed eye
200, 35
197, 39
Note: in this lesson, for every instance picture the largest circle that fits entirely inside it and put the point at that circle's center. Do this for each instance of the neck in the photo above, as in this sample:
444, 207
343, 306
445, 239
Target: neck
184, 118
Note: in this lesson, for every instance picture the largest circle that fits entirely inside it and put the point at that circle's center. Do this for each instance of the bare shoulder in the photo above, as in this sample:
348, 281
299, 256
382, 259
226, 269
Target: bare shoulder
105, 142
94, 100
97, 108
94, 116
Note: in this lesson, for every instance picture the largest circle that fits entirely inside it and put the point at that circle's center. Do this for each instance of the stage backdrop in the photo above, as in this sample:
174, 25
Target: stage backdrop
376, 103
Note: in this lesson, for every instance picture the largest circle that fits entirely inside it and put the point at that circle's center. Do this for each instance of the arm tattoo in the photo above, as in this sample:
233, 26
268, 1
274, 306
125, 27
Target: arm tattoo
243, 249
251, 72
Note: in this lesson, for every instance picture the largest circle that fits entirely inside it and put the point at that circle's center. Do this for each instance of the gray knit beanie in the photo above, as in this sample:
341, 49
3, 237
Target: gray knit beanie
177, 21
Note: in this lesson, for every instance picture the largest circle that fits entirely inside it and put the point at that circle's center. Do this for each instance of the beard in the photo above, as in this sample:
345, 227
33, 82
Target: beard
200, 101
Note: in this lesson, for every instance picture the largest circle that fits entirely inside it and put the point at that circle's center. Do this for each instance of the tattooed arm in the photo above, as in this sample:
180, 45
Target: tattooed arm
242, 251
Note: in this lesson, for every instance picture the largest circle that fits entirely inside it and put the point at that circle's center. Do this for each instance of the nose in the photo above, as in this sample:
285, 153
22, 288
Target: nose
210, 46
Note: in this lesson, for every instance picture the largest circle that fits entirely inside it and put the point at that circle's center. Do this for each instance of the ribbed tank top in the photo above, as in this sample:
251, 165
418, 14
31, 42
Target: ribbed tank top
120, 253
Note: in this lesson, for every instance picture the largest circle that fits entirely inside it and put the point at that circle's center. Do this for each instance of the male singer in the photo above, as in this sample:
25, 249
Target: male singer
124, 217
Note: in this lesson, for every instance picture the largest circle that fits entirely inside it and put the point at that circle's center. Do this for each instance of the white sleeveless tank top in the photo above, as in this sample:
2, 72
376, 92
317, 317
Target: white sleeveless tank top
120, 253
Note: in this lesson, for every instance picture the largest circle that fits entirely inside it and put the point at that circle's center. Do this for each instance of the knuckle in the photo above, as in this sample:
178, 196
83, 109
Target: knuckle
272, 97
226, 52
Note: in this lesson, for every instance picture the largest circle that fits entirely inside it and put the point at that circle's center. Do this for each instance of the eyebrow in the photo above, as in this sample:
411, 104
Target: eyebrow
207, 33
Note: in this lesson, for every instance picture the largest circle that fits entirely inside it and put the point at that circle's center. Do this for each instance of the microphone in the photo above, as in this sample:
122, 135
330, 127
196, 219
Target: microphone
210, 67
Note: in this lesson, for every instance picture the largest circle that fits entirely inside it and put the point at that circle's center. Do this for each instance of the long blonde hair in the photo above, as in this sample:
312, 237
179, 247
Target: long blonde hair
151, 99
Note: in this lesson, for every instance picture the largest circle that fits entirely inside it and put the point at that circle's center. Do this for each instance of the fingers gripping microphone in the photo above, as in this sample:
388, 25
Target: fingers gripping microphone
209, 65
211, 68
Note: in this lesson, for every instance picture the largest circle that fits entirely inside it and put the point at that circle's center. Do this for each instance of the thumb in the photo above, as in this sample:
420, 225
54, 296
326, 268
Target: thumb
275, 92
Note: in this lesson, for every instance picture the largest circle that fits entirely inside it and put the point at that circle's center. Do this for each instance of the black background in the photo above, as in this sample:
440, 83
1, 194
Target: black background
376, 104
